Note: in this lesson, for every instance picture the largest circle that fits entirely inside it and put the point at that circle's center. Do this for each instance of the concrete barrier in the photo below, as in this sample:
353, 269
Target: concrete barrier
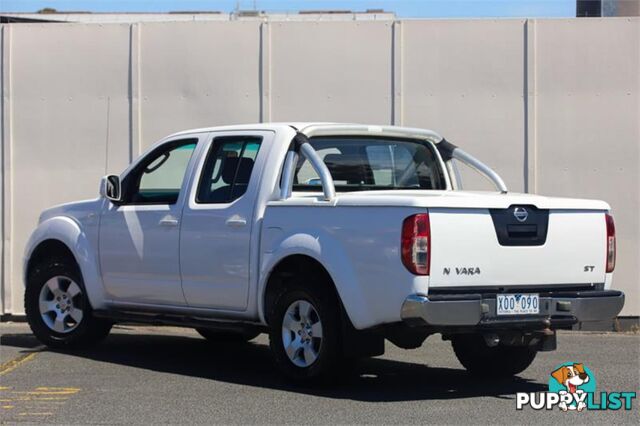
553, 105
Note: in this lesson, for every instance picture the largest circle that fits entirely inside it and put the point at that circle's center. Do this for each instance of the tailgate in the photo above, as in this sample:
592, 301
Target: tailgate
520, 245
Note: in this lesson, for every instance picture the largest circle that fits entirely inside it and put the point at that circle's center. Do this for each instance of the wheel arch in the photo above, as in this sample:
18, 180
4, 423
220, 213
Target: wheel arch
292, 264
62, 236
355, 343
46, 249
327, 257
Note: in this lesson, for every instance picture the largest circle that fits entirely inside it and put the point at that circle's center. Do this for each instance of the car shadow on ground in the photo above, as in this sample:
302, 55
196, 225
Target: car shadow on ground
250, 364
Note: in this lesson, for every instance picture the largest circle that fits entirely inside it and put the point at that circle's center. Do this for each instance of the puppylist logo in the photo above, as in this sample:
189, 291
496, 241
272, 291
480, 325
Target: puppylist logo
572, 387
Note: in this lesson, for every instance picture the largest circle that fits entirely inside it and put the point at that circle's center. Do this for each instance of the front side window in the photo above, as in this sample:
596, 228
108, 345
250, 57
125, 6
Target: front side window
366, 163
227, 169
158, 178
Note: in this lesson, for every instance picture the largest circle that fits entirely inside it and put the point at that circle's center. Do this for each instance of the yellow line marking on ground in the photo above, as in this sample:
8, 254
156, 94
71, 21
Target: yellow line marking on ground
35, 414
12, 364
48, 398
40, 401
47, 392
44, 388
9, 366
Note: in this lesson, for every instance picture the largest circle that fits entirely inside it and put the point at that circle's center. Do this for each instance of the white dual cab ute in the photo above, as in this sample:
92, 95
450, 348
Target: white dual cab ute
329, 237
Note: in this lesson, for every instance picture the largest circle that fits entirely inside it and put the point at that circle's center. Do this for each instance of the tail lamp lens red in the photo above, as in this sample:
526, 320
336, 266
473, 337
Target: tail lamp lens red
416, 244
611, 243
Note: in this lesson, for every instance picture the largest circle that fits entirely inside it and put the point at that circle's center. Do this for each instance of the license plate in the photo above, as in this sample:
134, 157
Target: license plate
517, 304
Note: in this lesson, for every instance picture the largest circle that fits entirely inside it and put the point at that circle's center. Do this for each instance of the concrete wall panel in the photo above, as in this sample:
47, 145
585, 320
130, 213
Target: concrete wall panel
464, 79
69, 123
588, 125
197, 74
330, 71
5, 287
552, 105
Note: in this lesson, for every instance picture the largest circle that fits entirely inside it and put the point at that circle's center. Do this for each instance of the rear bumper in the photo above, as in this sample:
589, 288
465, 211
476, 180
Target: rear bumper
557, 310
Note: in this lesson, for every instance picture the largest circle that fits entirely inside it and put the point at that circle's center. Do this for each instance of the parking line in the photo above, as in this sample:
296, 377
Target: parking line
35, 403
11, 365
50, 391
35, 414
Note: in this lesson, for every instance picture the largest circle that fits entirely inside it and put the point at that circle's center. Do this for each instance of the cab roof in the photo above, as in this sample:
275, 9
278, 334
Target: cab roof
326, 128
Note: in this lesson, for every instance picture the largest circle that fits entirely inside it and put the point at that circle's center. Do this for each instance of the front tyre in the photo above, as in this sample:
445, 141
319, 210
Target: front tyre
498, 361
304, 333
57, 307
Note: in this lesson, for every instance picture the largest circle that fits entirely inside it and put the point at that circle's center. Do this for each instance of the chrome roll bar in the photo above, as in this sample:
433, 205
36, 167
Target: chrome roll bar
301, 144
487, 171
288, 171
328, 188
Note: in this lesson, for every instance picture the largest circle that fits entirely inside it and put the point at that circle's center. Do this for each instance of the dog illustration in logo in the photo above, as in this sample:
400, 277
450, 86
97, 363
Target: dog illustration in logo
571, 377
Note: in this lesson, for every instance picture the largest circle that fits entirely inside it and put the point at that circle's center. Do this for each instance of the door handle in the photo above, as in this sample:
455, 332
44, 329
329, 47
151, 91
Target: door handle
169, 221
236, 222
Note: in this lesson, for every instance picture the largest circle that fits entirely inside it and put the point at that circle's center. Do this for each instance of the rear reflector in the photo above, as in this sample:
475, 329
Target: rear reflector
416, 244
611, 243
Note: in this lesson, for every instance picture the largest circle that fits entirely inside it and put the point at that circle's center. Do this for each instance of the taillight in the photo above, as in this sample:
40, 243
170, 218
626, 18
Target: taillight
611, 243
416, 244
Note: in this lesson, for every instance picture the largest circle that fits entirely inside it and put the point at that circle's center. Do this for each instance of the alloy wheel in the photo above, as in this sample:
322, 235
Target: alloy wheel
60, 304
302, 333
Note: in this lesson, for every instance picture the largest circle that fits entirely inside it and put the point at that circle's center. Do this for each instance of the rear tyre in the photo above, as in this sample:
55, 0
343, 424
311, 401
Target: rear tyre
227, 336
499, 361
58, 310
304, 331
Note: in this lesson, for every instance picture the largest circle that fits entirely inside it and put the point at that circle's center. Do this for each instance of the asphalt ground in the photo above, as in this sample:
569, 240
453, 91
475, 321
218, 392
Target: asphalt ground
163, 375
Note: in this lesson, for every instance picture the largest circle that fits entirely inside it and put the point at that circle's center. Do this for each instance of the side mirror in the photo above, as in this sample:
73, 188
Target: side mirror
110, 188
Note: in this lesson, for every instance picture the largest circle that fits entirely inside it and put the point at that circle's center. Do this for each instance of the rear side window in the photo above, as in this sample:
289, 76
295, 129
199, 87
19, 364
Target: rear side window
372, 163
227, 169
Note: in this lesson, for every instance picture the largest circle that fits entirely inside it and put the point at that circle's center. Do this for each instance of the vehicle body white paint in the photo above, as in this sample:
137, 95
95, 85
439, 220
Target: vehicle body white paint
359, 247
219, 239
466, 238
212, 269
76, 226
139, 249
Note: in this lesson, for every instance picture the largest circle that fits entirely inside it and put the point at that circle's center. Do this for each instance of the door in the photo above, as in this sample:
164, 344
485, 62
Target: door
139, 238
215, 237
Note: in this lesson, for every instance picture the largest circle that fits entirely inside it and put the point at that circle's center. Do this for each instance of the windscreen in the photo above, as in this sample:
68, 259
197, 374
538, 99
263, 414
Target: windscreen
365, 163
